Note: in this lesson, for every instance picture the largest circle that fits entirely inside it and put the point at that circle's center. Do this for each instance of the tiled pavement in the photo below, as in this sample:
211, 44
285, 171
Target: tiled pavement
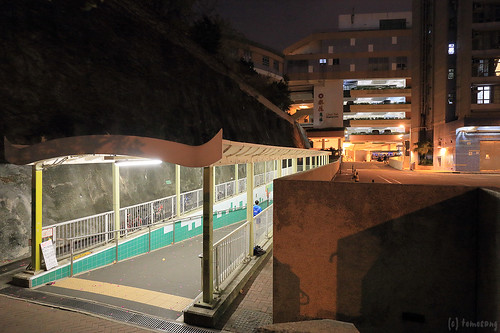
17, 316
252, 309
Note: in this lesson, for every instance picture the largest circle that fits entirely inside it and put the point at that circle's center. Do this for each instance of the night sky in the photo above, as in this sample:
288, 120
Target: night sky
280, 23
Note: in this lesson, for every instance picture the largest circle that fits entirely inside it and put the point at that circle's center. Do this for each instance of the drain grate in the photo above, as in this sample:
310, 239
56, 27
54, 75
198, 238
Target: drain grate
103, 310
249, 320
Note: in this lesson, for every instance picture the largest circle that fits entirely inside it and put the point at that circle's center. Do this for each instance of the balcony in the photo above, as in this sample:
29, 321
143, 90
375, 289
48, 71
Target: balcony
379, 122
377, 137
380, 107
489, 107
381, 92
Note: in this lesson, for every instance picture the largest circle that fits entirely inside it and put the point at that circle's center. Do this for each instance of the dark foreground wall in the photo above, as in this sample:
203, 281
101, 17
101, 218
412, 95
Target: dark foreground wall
389, 258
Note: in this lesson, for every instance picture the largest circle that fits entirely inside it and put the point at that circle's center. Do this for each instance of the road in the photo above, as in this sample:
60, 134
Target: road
378, 172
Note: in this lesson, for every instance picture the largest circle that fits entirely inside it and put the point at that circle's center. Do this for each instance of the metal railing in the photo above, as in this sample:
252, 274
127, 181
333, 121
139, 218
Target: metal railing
263, 227
242, 185
99, 229
259, 179
270, 175
225, 190
229, 253
191, 200
286, 171
135, 216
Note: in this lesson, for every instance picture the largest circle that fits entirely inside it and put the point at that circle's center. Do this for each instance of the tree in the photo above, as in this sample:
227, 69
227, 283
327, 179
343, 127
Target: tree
423, 148
279, 94
207, 34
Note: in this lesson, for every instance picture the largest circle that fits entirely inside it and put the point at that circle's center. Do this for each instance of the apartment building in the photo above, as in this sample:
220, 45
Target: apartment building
352, 88
456, 82
266, 61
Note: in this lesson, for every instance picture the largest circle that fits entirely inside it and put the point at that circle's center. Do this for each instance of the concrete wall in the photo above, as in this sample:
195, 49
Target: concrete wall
389, 258
325, 172
74, 191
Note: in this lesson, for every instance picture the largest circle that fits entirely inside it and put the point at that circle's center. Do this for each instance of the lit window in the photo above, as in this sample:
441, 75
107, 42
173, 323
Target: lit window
451, 73
451, 48
330, 49
483, 95
394, 40
370, 47
451, 99
322, 61
352, 67
353, 41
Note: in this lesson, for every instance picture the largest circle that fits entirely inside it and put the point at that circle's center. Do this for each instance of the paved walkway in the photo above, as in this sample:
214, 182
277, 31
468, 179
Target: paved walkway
19, 316
252, 308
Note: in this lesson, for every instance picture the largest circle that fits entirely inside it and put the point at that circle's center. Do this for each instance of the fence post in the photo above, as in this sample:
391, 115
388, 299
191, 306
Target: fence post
116, 246
178, 210
71, 254
116, 198
151, 220
250, 179
149, 231
217, 268
106, 228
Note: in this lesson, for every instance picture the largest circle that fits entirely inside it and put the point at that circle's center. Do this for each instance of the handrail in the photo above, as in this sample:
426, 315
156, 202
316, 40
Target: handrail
230, 234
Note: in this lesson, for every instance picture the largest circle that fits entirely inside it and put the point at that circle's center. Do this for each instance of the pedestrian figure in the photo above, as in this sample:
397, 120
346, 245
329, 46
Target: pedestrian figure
256, 208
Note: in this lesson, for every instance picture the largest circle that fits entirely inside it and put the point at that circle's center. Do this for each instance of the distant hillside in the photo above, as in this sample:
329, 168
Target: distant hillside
119, 68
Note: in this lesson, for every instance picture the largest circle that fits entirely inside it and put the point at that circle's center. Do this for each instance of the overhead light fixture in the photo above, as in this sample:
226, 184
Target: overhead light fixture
138, 162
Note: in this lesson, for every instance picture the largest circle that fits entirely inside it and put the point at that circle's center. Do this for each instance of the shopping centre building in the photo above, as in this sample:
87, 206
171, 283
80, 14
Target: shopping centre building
386, 83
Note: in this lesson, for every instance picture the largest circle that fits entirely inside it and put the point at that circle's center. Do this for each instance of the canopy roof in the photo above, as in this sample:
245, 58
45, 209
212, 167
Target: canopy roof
115, 148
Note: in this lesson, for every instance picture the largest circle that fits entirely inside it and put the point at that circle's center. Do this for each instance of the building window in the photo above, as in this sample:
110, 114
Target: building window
352, 67
378, 64
265, 61
330, 49
334, 61
392, 24
310, 69
370, 47
353, 41
451, 99
401, 62
394, 40
276, 65
483, 95
451, 73
322, 61
451, 48
247, 55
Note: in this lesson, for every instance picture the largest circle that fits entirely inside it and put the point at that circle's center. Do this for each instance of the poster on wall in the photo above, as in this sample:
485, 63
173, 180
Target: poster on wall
49, 254
328, 105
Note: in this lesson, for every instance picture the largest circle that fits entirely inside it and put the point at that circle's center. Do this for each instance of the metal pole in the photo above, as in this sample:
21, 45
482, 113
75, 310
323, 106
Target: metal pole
250, 178
178, 190
116, 200
236, 186
36, 216
207, 261
71, 253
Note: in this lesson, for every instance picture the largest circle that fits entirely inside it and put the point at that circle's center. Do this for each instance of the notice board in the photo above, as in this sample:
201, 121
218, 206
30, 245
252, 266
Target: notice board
49, 254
